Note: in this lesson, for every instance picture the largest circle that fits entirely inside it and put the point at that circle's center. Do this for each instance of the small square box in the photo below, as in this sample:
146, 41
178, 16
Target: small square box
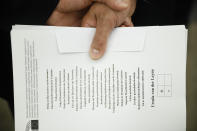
168, 91
160, 80
161, 91
168, 80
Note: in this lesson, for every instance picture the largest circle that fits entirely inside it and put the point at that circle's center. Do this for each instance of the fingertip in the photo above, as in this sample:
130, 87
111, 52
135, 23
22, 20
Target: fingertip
120, 4
97, 49
95, 54
114, 4
127, 23
130, 24
122, 25
88, 20
85, 25
88, 23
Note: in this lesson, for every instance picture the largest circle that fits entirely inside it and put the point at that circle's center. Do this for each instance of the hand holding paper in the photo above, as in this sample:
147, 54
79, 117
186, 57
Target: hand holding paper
104, 15
105, 19
71, 12
139, 85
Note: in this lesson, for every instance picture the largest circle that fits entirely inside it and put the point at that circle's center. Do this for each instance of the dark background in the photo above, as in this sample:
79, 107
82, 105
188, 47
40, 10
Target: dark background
148, 12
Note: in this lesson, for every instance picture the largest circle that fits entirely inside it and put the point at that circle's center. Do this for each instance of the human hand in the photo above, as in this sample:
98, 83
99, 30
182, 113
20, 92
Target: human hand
105, 19
71, 12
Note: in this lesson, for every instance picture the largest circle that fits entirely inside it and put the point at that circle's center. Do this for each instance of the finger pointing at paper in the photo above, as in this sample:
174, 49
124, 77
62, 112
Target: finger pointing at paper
105, 19
102, 14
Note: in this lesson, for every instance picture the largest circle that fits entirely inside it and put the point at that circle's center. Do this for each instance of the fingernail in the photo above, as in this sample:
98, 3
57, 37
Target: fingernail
121, 3
94, 53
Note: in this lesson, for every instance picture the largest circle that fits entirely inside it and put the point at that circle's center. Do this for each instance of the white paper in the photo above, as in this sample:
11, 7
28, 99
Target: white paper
139, 84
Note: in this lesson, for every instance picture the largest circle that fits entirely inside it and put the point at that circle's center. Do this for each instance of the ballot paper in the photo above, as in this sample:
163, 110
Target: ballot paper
138, 85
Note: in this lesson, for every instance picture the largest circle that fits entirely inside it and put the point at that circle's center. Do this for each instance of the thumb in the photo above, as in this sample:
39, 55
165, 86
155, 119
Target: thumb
103, 29
114, 4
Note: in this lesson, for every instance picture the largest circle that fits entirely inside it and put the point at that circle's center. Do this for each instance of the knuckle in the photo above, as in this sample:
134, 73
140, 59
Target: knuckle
100, 43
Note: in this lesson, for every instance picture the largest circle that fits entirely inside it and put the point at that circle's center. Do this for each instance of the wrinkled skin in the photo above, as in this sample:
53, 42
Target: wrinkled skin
102, 14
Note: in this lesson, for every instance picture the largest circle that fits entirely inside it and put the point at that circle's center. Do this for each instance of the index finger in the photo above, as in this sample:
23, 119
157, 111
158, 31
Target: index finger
104, 28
